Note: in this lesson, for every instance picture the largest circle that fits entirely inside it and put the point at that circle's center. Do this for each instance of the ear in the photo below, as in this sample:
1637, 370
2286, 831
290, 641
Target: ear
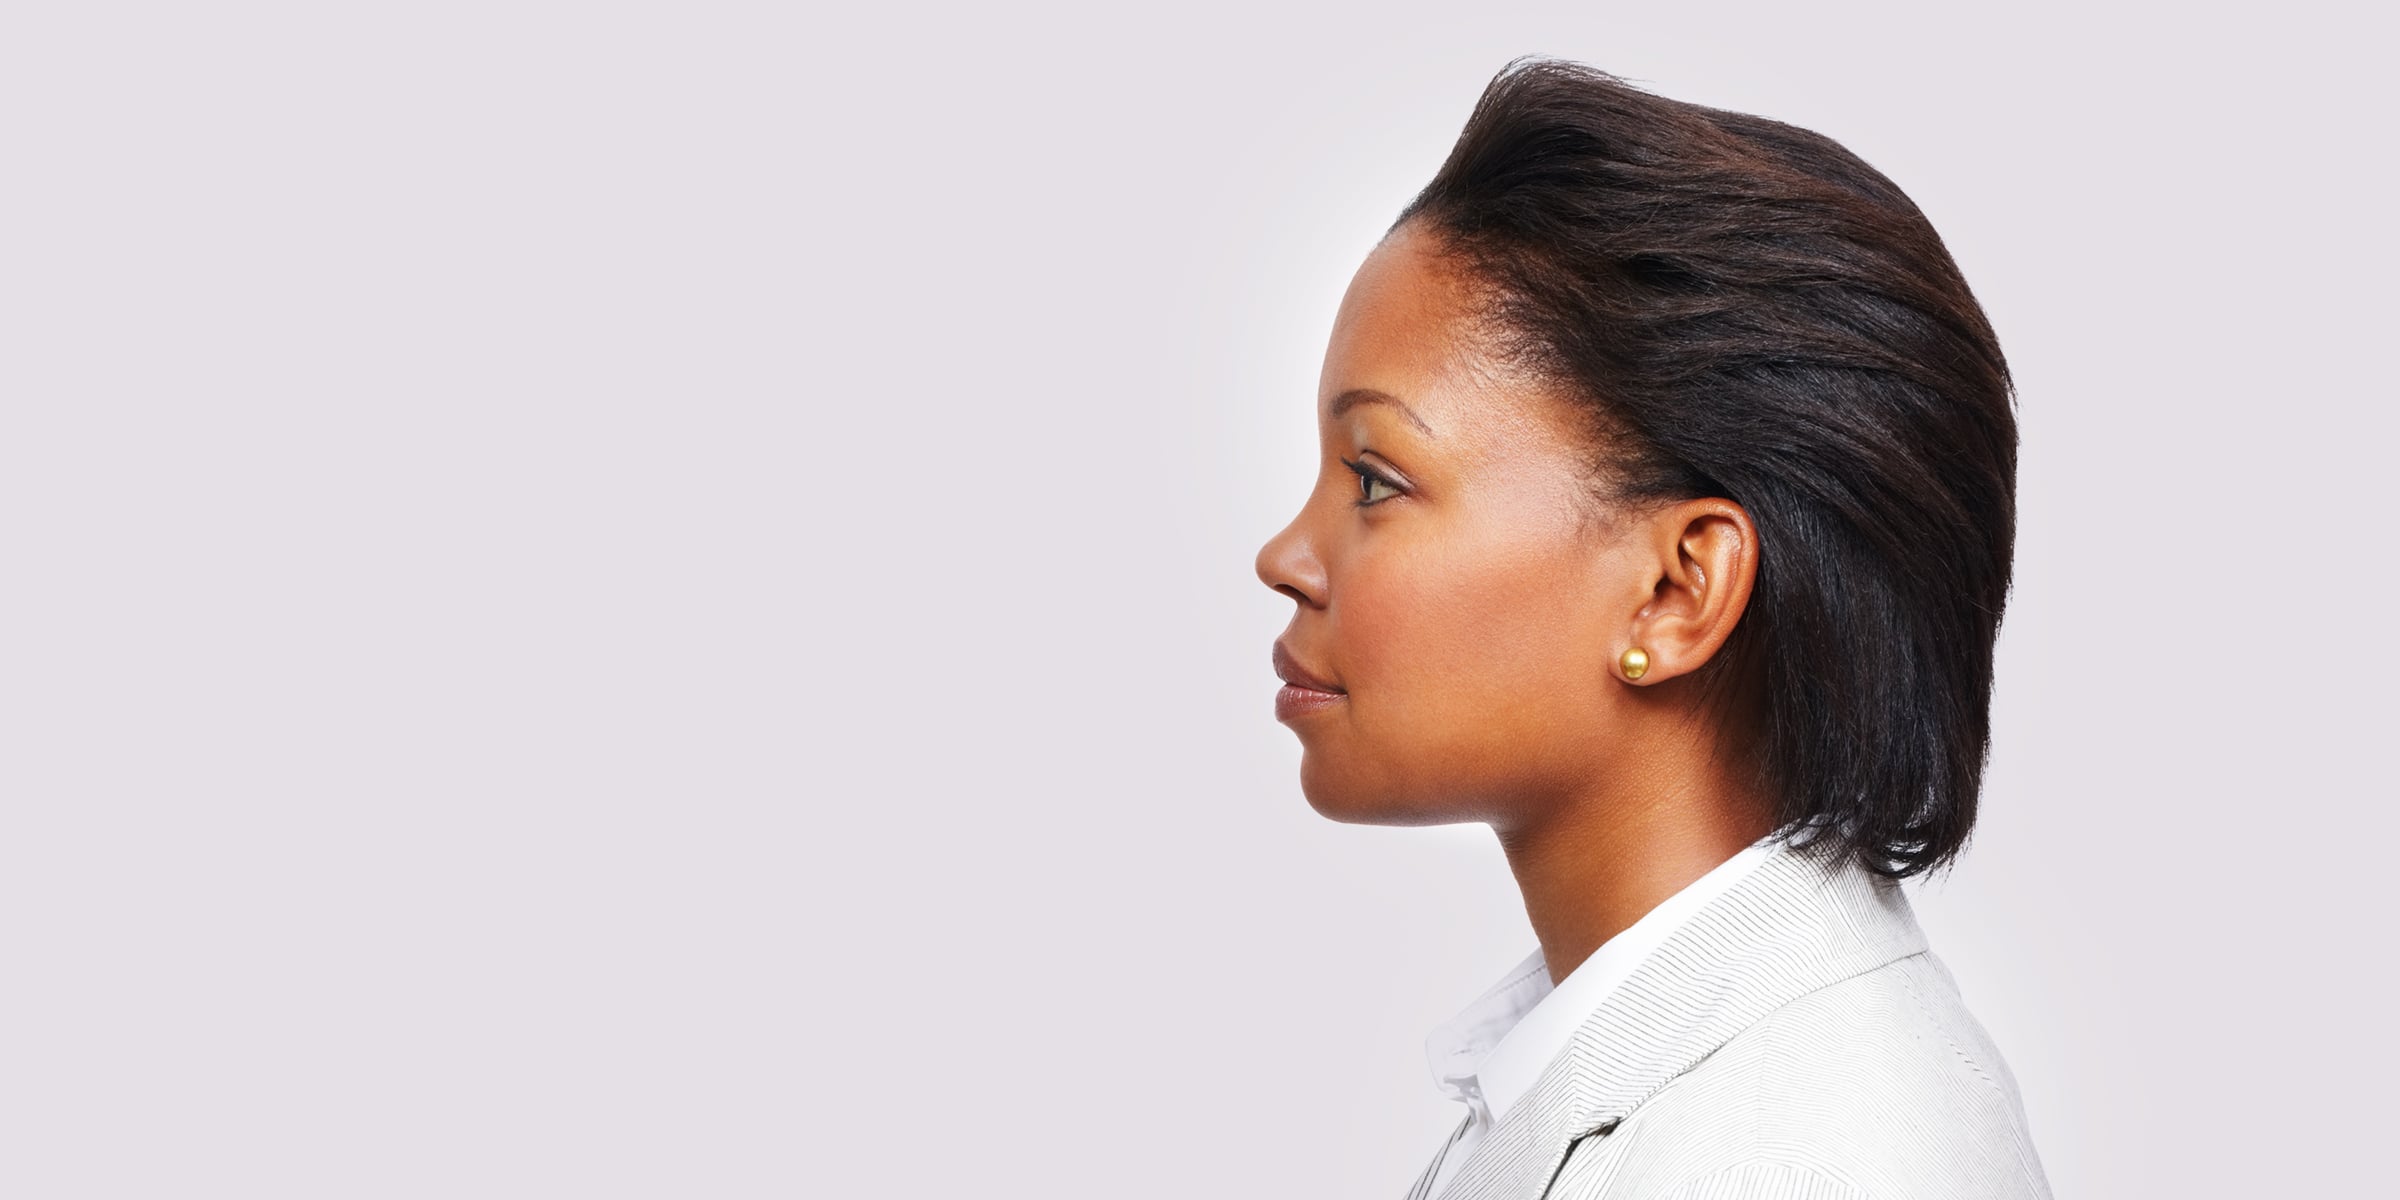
1702, 563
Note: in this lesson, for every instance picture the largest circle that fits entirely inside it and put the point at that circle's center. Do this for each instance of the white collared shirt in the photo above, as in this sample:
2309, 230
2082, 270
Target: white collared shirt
1488, 1055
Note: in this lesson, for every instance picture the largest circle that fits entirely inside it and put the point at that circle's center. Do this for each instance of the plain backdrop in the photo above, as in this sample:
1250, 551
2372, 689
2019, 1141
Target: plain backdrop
646, 599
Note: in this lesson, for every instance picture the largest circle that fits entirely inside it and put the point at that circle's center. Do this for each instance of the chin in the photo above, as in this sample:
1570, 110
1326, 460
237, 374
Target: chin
1358, 802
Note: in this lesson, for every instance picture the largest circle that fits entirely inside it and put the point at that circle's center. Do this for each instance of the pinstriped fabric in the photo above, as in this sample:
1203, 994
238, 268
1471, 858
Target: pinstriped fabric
1773, 1181
1793, 1038
1424, 1184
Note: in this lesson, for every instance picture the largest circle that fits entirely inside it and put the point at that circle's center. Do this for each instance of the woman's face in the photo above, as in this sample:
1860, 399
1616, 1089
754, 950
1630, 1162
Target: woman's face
1453, 587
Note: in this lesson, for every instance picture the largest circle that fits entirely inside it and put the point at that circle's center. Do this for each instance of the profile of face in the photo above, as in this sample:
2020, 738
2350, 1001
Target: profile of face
1460, 610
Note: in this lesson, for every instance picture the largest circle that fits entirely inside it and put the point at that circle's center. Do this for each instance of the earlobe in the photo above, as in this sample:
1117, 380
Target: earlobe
1635, 663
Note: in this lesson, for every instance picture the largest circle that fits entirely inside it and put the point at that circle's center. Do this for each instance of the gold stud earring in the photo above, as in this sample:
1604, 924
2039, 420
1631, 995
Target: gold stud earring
1635, 662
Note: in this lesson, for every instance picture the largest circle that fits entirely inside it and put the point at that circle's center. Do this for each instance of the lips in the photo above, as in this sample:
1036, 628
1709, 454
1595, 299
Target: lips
1289, 670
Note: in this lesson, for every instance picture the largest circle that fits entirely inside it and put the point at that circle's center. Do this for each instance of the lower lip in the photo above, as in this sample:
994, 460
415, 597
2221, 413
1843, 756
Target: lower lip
1294, 701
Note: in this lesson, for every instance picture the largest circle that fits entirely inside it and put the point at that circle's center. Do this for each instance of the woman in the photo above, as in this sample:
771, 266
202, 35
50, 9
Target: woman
1665, 526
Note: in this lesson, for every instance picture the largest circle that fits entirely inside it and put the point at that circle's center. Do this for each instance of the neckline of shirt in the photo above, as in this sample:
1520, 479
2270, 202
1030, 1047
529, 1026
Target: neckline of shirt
1499, 1045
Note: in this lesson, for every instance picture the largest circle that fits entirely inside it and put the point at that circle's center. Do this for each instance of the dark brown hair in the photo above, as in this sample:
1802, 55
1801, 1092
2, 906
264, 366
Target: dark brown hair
1747, 310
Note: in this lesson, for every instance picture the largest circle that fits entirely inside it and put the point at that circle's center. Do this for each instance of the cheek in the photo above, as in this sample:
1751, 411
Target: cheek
1453, 643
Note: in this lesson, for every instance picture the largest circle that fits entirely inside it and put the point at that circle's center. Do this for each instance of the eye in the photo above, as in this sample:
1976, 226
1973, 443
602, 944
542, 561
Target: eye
1368, 481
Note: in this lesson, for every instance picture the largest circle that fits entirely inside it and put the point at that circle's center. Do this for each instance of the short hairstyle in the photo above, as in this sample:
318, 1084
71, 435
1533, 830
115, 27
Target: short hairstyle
1745, 309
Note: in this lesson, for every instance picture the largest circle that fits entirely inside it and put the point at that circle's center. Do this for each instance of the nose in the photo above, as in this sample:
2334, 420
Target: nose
1289, 564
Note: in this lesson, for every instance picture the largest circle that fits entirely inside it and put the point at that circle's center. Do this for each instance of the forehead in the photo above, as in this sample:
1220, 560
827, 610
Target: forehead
1407, 317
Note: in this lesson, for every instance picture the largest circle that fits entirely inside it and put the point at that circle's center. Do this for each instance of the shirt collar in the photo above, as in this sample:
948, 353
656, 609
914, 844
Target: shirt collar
1456, 1048
1494, 1049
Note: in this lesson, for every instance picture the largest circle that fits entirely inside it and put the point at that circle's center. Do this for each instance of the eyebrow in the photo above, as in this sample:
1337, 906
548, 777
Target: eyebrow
1357, 396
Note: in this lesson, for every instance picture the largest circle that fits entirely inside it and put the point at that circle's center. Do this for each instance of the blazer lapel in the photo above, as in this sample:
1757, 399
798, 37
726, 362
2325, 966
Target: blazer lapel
1807, 917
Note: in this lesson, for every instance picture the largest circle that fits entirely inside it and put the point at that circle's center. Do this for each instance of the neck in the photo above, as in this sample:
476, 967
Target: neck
1590, 869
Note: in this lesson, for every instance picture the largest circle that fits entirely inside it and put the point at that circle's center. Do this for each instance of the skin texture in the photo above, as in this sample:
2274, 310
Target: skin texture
1472, 616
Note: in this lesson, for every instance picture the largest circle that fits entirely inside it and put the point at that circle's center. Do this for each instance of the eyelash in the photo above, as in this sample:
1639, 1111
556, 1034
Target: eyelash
1365, 474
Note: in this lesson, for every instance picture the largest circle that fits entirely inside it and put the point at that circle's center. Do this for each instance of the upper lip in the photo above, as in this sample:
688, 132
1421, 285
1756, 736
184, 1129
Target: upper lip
1289, 670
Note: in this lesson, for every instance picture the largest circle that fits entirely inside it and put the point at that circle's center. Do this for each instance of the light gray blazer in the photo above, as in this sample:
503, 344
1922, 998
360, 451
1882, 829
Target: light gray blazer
1794, 1038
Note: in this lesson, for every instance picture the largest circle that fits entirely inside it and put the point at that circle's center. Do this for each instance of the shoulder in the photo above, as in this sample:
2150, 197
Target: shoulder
1881, 1085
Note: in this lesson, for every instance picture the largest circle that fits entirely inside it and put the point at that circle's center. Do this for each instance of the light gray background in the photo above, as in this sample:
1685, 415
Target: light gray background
656, 600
